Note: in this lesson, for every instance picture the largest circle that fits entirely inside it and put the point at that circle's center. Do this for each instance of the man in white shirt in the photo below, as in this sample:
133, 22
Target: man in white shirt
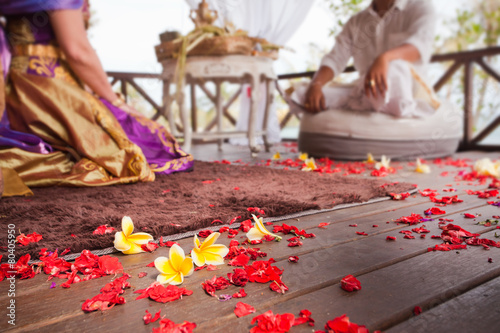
391, 44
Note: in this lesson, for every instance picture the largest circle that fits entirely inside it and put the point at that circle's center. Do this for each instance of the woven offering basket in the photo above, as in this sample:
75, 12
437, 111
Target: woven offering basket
218, 45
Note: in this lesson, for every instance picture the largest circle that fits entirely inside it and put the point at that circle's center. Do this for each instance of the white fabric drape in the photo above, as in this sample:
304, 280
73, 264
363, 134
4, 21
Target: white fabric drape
274, 20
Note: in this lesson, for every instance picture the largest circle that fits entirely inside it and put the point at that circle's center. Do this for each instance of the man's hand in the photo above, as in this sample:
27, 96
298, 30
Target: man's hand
315, 99
376, 78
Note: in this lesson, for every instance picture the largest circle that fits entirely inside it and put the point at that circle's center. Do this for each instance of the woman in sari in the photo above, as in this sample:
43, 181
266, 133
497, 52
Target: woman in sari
52, 130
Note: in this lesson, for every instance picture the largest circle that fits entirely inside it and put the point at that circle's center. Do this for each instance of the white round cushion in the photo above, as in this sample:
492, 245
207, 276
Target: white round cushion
346, 134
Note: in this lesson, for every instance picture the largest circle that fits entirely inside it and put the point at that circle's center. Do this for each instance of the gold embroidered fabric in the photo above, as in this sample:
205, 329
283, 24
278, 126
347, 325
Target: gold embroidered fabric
52, 104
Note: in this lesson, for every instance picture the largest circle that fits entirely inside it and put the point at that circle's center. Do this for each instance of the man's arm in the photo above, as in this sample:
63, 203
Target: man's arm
376, 78
315, 100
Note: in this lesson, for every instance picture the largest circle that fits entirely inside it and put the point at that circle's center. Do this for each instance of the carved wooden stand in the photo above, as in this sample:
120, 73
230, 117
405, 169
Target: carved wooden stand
237, 69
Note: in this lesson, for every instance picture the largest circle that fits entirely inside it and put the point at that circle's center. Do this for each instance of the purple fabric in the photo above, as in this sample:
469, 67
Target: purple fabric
149, 141
25, 141
15, 7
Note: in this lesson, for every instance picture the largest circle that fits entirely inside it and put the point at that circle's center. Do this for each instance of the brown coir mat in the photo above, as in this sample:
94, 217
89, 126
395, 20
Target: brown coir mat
175, 204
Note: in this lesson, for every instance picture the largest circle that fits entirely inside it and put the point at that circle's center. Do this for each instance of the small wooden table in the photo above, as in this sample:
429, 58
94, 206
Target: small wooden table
237, 69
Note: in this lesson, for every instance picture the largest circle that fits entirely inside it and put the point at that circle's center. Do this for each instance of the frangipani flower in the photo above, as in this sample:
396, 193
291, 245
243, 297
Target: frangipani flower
259, 231
303, 156
310, 165
208, 253
129, 243
422, 168
276, 156
174, 269
486, 167
369, 158
384, 162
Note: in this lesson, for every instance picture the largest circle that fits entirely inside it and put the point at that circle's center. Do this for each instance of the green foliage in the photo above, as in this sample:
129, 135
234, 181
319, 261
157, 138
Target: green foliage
475, 26
342, 10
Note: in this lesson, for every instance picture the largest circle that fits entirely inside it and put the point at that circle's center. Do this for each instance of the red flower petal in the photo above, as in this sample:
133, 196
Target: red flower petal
149, 247
205, 233
343, 325
243, 309
399, 196
161, 294
350, 283
268, 322
240, 260
417, 310
293, 259
24, 240
240, 294
103, 229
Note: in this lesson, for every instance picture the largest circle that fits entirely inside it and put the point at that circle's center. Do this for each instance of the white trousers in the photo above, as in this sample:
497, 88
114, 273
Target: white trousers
407, 94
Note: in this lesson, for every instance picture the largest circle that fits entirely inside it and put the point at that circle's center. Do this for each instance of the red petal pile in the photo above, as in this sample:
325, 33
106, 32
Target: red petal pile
269, 322
343, 325
24, 240
109, 296
239, 277
399, 196
103, 229
290, 229
411, 220
161, 294
214, 284
168, 326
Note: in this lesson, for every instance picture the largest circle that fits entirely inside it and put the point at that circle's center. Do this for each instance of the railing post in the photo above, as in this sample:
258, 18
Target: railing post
124, 89
468, 103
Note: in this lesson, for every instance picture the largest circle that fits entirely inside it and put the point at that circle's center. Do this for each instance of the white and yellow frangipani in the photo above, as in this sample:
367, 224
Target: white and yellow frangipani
422, 168
208, 253
276, 156
384, 162
310, 165
303, 156
370, 159
175, 268
259, 231
126, 241
486, 167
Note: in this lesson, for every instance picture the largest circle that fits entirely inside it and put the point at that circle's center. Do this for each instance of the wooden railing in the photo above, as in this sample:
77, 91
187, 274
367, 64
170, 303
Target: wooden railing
465, 59
126, 79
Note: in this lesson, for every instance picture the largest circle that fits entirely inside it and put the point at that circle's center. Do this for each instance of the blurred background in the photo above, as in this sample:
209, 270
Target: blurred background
124, 33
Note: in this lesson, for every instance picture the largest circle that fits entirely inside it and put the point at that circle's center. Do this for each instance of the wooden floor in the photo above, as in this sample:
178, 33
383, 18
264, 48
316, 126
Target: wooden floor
458, 291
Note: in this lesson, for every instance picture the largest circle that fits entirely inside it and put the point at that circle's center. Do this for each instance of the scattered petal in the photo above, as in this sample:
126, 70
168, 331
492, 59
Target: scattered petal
350, 283
243, 309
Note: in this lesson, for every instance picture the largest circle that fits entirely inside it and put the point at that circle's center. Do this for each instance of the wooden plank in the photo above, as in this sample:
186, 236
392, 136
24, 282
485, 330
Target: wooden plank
349, 258
475, 311
388, 295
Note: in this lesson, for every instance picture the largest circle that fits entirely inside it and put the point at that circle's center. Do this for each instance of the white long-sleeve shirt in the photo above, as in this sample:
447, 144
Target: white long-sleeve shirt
367, 35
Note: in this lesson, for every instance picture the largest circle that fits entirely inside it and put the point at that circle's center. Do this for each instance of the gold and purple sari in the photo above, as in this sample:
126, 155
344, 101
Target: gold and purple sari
54, 132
